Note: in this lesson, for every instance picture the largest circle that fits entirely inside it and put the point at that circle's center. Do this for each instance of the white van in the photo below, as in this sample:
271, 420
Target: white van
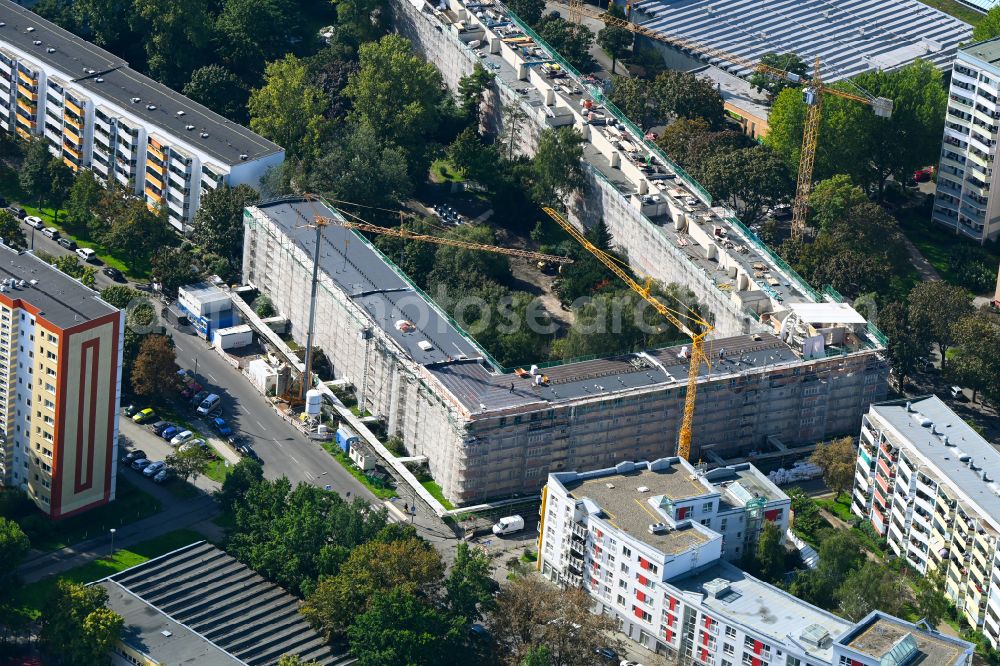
86, 254
508, 525
209, 404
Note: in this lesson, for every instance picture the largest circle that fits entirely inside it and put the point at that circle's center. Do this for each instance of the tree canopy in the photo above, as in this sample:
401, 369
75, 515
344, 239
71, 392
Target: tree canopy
934, 307
837, 459
787, 62
78, 626
288, 108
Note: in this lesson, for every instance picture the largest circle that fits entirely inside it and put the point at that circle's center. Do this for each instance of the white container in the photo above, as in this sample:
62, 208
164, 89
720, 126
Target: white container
314, 402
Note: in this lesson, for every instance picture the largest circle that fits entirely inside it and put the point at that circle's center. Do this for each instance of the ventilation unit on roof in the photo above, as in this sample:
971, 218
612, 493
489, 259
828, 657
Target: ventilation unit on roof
965, 457
99, 80
642, 489
91, 71
50, 50
658, 528
151, 107
947, 442
909, 406
38, 42
609, 486
986, 477
29, 29
2, 24
136, 100
244, 156
204, 135
189, 127
180, 113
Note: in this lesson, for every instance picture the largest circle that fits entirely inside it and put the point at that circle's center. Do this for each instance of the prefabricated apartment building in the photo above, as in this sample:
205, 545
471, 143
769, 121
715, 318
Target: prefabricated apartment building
799, 366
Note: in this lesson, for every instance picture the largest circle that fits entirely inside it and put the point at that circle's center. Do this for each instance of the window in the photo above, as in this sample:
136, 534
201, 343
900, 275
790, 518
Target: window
621, 600
707, 522
722, 525
729, 649
706, 507
626, 551
730, 632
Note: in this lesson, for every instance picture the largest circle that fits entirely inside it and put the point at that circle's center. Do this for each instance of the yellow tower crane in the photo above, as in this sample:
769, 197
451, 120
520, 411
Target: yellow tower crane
689, 323
812, 93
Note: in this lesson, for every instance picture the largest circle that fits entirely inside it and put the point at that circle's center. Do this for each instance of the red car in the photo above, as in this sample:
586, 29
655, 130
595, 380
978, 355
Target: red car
191, 389
923, 175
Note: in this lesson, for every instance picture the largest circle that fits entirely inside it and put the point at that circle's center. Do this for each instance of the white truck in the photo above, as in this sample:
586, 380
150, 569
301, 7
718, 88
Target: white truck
508, 525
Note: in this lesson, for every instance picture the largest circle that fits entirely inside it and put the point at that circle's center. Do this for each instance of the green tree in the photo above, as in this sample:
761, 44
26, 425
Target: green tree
807, 519
976, 359
218, 224
189, 463
14, 546
219, 89
358, 166
396, 93
466, 269
906, 343
85, 195
832, 199
295, 660
154, 374
11, 231
263, 307
401, 629
684, 95
470, 91
103, 19
557, 167
34, 173
837, 459
750, 180
787, 62
288, 108
770, 553
785, 123
78, 626
176, 33
872, 587
530, 11
410, 565
135, 233
570, 40
69, 265
632, 96
469, 584
176, 267
477, 160
615, 40
988, 27
60, 181
931, 599
934, 307
119, 295
241, 478
361, 20
88, 277
537, 656
252, 32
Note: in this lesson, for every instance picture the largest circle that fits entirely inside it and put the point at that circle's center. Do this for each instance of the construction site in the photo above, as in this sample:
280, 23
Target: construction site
778, 364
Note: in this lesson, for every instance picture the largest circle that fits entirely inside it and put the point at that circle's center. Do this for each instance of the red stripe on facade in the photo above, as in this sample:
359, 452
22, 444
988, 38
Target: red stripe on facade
85, 444
58, 445
109, 463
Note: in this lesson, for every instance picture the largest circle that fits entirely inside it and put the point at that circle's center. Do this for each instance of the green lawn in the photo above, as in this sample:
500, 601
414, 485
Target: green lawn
935, 242
434, 489
11, 190
130, 504
443, 171
30, 598
378, 488
841, 508
956, 9
218, 470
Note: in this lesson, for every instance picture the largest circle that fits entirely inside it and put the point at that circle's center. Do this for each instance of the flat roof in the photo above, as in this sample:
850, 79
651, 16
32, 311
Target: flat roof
849, 37
365, 276
225, 602
827, 313
62, 300
156, 635
763, 608
928, 442
736, 91
627, 508
879, 634
742, 482
84, 63
988, 51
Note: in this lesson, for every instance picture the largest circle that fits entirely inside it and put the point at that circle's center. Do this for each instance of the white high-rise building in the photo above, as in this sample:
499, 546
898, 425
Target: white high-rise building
966, 175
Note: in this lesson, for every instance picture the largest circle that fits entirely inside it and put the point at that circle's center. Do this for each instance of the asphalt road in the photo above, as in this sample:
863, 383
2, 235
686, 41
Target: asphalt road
284, 450
45, 244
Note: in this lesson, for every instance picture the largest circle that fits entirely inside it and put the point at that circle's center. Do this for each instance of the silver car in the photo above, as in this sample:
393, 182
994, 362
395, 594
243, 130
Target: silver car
153, 468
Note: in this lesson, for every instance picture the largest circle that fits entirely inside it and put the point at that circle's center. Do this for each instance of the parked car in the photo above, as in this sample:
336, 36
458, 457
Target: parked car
192, 444
18, 212
169, 432
160, 426
248, 451
67, 243
141, 464
35, 222
923, 175
181, 437
508, 525
51, 232
131, 410
607, 654
114, 274
145, 415
958, 394
87, 255
133, 455
191, 389
152, 468
220, 425
163, 475
198, 397
209, 404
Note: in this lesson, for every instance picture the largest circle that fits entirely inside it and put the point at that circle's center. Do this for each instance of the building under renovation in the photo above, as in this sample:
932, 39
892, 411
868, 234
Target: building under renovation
807, 370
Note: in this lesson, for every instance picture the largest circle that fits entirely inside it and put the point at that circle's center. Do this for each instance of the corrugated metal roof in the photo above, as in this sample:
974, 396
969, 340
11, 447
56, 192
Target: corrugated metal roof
849, 37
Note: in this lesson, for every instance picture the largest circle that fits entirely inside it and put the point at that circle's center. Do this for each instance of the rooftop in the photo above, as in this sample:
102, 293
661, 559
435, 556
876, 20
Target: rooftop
740, 483
736, 91
61, 300
926, 426
850, 37
96, 71
214, 598
893, 642
765, 608
987, 51
156, 635
627, 508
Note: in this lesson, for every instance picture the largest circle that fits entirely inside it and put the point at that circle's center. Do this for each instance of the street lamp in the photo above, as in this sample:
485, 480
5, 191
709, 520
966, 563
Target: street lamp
113, 530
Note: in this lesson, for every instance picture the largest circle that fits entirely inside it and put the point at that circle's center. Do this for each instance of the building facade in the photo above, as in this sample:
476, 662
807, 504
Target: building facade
965, 176
132, 132
925, 480
648, 542
60, 373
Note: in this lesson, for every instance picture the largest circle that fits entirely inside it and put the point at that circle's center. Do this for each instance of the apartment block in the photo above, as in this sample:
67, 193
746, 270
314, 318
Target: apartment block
60, 378
925, 480
965, 176
649, 541
97, 113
